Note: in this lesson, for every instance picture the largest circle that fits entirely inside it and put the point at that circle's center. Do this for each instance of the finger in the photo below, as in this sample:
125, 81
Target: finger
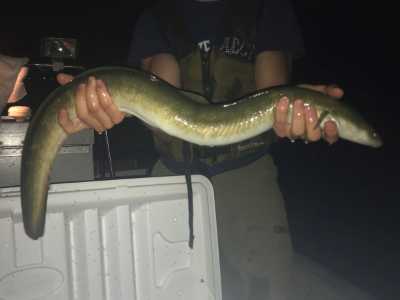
82, 110
22, 74
313, 132
94, 107
330, 132
315, 87
298, 122
331, 90
281, 125
107, 103
334, 91
63, 78
69, 125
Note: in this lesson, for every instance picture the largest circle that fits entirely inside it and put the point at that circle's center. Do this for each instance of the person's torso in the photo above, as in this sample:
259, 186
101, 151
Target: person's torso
207, 30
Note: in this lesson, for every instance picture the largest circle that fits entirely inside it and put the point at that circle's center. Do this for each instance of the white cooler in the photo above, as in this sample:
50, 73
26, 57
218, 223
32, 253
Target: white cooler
113, 240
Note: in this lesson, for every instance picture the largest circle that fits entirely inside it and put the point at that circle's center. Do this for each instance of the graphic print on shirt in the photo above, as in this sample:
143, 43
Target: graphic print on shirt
238, 47
231, 46
204, 45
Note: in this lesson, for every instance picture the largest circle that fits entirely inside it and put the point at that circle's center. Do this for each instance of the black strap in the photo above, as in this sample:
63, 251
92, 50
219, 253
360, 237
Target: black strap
188, 177
207, 80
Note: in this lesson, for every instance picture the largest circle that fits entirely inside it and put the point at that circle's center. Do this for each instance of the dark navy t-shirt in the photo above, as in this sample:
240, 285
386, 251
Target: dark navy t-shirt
201, 25
276, 29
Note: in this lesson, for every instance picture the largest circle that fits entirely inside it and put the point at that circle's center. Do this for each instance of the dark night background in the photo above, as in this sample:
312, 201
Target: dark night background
342, 200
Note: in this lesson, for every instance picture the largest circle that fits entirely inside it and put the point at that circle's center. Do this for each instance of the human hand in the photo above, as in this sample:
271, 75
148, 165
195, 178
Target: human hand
18, 90
305, 118
94, 107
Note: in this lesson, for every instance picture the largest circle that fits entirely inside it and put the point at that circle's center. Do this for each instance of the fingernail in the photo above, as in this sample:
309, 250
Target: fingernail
283, 104
284, 100
99, 86
299, 108
298, 102
310, 115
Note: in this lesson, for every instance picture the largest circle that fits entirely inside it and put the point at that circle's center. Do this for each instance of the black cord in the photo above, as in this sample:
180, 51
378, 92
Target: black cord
110, 164
188, 177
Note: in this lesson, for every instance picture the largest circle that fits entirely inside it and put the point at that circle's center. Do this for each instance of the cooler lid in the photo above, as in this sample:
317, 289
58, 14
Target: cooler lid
113, 239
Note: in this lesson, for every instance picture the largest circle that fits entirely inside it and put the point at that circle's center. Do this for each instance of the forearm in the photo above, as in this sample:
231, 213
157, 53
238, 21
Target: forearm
164, 66
272, 68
